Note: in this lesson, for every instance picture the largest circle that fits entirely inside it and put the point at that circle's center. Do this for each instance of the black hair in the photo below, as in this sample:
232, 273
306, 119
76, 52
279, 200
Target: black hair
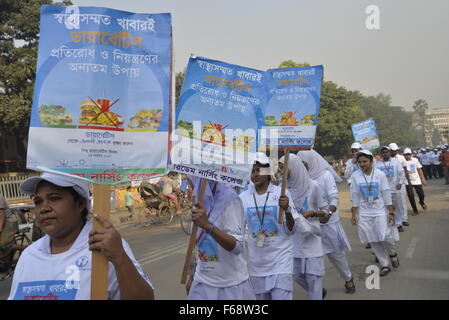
129, 187
266, 165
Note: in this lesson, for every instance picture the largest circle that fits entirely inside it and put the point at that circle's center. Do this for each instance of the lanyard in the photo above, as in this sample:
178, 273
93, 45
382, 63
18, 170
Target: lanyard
261, 220
389, 166
370, 185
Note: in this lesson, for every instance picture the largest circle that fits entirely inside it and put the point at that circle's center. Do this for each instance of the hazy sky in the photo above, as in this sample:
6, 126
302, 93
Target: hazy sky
408, 57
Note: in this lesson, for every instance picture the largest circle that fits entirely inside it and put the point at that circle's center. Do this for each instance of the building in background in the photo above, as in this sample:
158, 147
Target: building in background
438, 120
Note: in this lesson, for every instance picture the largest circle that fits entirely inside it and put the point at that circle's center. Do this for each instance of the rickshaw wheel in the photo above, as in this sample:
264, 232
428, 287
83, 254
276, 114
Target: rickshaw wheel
166, 215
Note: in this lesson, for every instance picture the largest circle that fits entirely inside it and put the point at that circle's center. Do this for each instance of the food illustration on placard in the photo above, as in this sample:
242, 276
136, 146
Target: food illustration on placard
212, 132
185, 129
97, 115
148, 120
270, 121
288, 119
55, 116
366, 139
308, 119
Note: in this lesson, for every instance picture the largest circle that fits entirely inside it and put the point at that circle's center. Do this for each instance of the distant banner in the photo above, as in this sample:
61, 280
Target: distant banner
365, 133
293, 103
101, 106
217, 117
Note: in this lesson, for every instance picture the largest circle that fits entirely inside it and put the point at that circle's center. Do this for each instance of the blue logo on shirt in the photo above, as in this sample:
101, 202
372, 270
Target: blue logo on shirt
82, 262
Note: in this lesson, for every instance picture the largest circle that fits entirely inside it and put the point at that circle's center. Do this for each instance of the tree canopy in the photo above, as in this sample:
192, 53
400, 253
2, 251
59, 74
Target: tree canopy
19, 36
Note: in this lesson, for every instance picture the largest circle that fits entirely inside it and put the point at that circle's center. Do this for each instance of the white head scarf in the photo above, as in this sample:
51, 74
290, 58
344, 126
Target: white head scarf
317, 164
299, 182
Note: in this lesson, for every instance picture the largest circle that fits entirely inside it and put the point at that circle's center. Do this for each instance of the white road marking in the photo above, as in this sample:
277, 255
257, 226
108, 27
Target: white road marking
181, 250
411, 248
161, 253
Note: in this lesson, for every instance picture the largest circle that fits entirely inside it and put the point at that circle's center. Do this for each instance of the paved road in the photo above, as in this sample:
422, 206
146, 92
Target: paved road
423, 252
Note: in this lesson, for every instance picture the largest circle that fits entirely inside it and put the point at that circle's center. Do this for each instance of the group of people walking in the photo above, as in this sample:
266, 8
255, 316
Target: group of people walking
243, 251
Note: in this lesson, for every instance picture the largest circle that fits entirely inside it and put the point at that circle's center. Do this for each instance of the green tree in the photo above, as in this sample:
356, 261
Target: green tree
339, 108
293, 64
393, 124
19, 36
179, 79
420, 107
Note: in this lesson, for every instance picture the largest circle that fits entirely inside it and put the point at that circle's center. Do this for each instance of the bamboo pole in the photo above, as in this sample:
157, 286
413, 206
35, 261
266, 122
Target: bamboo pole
99, 275
284, 183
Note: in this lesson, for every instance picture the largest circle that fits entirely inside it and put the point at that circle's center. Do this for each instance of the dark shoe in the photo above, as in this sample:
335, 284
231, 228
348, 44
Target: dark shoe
384, 271
405, 223
395, 262
350, 286
367, 246
400, 229
324, 293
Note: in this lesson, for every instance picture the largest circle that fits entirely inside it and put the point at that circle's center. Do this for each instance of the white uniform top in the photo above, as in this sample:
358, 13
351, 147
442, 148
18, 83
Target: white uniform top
276, 256
216, 266
394, 172
40, 275
375, 185
412, 167
424, 158
350, 168
400, 158
309, 245
436, 159
327, 184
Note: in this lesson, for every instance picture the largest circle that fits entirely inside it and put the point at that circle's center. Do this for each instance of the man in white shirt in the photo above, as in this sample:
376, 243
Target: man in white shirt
415, 180
425, 158
435, 164
394, 149
351, 165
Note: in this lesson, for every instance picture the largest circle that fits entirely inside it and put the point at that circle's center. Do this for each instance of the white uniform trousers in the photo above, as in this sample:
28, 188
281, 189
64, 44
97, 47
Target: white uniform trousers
340, 262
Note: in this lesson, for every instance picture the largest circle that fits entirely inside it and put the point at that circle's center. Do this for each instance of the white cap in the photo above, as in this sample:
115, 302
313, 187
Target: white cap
393, 146
356, 145
79, 185
365, 152
407, 151
262, 158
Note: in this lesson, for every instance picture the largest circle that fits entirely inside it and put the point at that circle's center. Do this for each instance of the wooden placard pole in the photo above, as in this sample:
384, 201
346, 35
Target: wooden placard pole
284, 183
99, 275
192, 241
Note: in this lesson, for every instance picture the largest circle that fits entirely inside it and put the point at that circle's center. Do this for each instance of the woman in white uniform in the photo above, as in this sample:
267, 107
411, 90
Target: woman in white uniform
333, 235
58, 266
308, 263
396, 178
270, 250
221, 270
371, 196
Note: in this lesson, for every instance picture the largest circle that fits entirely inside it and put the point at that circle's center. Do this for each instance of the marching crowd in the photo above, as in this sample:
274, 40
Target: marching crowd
243, 251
